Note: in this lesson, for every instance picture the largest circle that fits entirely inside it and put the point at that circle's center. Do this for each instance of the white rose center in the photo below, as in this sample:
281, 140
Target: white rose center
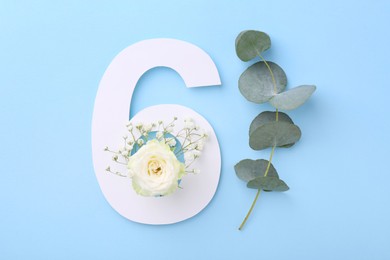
154, 167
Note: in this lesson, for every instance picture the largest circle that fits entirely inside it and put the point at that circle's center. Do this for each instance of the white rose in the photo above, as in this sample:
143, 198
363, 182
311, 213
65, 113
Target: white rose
155, 170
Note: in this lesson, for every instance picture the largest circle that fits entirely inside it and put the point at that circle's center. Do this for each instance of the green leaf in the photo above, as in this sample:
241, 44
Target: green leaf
248, 169
256, 83
251, 43
268, 184
274, 134
292, 98
266, 117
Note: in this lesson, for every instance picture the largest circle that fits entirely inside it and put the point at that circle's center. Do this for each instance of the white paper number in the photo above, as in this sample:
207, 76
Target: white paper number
111, 112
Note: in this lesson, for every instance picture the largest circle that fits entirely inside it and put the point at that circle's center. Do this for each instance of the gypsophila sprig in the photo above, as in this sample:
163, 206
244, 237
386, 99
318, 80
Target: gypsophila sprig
157, 155
262, 82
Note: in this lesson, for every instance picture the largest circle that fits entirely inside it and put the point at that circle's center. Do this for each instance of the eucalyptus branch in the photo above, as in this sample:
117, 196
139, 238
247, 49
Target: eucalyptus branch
268, 129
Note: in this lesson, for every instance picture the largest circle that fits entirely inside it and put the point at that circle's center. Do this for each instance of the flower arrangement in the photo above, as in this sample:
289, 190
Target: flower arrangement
157, 156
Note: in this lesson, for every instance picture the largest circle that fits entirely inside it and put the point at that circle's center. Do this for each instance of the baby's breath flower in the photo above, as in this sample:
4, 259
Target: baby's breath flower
188, 156
196, 153
169, 129
159, 135
170, 141
115, 157
189, 125
140, 142
199, 145
147, 128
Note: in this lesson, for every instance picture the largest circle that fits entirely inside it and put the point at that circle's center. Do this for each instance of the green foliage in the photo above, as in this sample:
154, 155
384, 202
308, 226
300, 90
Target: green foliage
268, 184
270, 117
257, 85
262, 82
251, 43
253, 172
272, 134
292, 98
248, 169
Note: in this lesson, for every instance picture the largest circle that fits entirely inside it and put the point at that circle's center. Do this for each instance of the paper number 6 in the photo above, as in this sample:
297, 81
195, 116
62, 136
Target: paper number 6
111, 112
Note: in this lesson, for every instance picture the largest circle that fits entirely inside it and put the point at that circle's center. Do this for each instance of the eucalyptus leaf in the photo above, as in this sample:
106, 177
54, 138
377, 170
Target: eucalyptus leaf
274, 134
266, 117
250, 44
248, 169
256, 83
268, 184
292, 98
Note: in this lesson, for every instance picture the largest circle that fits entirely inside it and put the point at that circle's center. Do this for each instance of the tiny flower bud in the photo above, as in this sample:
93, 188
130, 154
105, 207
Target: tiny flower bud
140, 142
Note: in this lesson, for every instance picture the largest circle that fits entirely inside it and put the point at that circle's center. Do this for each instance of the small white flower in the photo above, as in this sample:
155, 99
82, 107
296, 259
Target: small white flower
147, 128
170, 141
188, 156
191, 146
159, 135
196, 153
115, 157
189, 125
140, 142
139, 125
124, 153
199, 145
169, 129
204, 134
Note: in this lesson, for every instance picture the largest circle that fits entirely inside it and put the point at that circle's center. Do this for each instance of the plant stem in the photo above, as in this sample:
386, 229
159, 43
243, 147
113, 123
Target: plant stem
258, 191
250, 210
270, 71
273, 82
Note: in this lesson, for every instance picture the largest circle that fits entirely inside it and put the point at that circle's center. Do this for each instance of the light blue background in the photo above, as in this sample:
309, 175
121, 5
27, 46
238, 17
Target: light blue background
52, 56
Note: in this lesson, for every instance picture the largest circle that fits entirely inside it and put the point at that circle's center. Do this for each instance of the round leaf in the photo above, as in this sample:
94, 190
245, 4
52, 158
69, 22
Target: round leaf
266, 117
248, 169
268, 184
251, 43
256, 83
274, 134
292, 98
